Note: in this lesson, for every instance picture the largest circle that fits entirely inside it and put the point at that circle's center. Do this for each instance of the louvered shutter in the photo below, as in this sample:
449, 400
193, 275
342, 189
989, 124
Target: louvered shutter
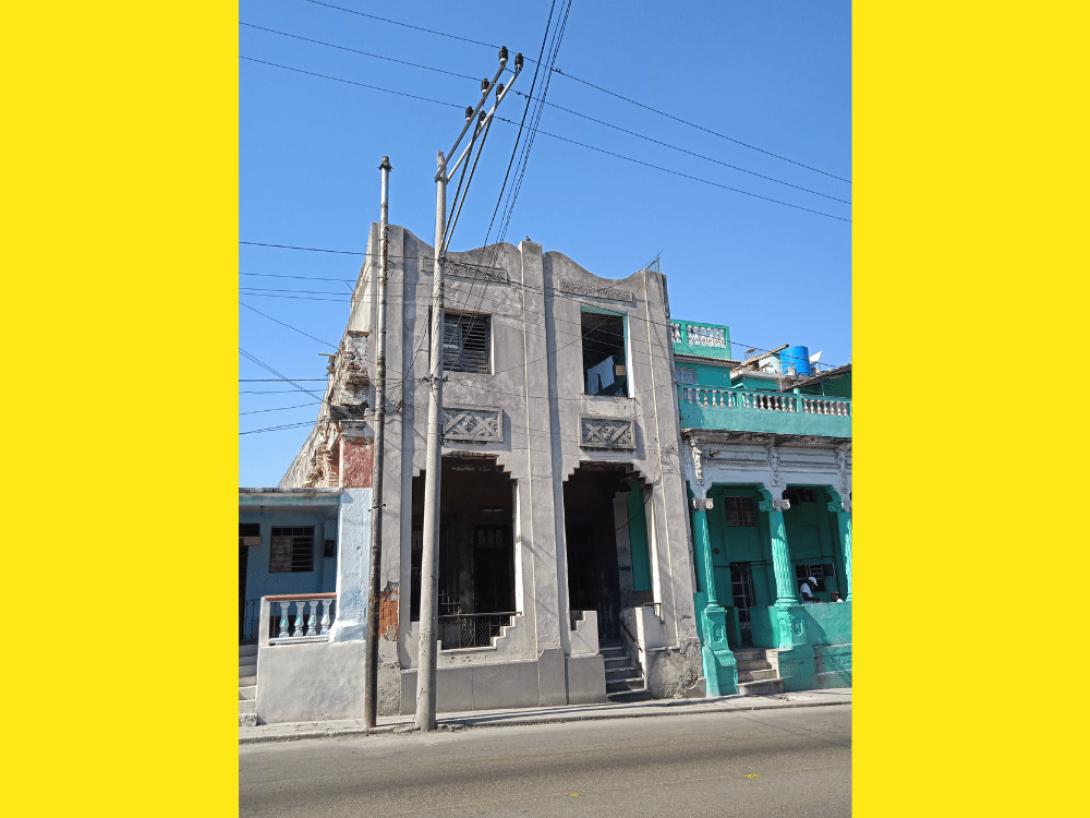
465, 343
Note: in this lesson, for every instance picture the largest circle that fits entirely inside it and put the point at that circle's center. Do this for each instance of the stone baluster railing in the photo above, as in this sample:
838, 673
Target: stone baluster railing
288, 619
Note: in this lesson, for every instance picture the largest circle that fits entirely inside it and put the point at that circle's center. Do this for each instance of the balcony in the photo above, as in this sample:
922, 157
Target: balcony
700, 340
744, 410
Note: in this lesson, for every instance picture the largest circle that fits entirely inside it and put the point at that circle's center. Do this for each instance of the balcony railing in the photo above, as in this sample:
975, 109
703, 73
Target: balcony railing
704, 336
476, 630
709, 407
297, 618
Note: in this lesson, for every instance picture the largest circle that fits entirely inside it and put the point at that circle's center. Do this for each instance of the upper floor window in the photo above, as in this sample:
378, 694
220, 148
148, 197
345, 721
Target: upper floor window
466, 342
605, 369
686, 374
741, 511
292, 550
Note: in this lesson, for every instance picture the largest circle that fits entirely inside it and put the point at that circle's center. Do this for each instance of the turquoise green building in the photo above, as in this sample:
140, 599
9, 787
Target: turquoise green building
766, 454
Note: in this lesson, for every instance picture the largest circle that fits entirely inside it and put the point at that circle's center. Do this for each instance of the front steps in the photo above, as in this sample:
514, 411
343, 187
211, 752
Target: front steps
758, 672
624, 681
247, 685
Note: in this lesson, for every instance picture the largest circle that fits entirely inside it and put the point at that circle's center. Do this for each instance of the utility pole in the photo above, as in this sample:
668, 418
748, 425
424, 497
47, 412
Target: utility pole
429, 565
370, 670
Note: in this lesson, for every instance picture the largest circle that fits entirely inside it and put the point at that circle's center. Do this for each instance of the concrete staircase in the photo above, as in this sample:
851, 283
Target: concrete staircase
624, 679
758, 672
247, 684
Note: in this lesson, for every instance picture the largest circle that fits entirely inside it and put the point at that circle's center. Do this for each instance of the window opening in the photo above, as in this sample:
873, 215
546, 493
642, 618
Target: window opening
604, 363
800, 496
818, 572
741, 511
465, 342
292, 550
330, 548
686, 375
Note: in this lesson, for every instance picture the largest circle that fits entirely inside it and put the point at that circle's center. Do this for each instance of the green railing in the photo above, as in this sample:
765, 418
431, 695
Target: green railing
748, 410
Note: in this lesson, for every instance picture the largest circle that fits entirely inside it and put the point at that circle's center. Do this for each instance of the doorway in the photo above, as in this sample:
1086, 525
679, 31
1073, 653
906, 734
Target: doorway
741, 582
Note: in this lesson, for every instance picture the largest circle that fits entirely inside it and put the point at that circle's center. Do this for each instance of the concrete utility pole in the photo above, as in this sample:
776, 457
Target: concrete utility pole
429, 565
370, 671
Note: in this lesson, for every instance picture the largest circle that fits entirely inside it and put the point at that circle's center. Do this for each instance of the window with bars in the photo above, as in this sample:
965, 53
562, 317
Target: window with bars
292, 550
466, 342
686, 375
741, 511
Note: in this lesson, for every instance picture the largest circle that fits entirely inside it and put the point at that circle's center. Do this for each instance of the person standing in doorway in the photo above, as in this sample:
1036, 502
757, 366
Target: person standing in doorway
807, 588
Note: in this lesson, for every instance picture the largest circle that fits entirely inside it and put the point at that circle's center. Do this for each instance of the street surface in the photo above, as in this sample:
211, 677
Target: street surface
775, 763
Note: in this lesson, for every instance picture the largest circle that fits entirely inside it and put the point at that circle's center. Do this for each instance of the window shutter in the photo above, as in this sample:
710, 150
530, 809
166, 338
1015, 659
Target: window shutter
465, 343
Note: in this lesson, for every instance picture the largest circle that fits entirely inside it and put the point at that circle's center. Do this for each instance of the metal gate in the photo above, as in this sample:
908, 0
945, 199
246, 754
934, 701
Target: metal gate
741, 581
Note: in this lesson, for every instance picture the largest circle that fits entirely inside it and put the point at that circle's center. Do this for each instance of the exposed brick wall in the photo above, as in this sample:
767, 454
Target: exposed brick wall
387, 613
357, 462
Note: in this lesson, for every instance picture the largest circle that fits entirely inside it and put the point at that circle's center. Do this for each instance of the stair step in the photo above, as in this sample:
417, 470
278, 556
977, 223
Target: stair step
247, 681
750, 655
623, 672
247, 650
749, 665
248, 692
247, 669
617, 661
766, 687
613, 685
247, 706
756, 675
630, 696
611, 652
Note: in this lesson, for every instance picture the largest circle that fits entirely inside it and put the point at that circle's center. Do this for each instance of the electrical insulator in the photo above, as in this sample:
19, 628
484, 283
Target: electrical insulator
518, 62
503, 53
469, 113
481, 116
499, 89
485, 86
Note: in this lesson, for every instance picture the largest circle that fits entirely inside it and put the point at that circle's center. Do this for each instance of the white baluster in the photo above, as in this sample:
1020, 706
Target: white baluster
284, 620
303, 606
325, 617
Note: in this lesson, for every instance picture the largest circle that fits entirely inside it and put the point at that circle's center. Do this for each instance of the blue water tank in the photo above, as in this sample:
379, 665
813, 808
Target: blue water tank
798, 357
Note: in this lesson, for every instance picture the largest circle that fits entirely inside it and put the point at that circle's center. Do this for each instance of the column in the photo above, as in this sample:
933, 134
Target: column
720, 668
781, 557
843, 512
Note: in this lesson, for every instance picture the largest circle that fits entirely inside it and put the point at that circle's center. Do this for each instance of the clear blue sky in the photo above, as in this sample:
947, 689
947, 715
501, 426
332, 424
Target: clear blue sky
775, 76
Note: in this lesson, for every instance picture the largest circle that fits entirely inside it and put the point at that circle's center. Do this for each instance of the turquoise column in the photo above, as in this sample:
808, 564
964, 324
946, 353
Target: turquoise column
720, 668
788, 617
781, 557
843, 512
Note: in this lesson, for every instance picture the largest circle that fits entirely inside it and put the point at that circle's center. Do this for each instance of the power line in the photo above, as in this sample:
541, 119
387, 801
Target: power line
598, 88
555, 105
289, 326
556, 136
280, 408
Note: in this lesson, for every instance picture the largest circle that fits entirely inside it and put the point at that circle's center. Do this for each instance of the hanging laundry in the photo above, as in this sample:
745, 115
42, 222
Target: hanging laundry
604, 373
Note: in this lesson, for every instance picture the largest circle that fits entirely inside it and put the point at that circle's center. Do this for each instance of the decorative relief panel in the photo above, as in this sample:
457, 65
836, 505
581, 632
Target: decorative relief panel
609, 293
463, 269
473, 425
607, 433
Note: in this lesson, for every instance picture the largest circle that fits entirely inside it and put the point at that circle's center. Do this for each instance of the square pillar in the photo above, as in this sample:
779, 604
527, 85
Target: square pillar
720, 667
843, 512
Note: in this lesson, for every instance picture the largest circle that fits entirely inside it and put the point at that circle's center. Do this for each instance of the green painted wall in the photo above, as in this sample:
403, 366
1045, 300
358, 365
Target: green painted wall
684, 348
746, 381
829, 624
708, 373
813, 537
637, 533
834, 387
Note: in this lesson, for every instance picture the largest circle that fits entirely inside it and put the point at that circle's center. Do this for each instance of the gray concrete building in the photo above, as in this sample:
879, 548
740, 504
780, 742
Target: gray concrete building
565, 567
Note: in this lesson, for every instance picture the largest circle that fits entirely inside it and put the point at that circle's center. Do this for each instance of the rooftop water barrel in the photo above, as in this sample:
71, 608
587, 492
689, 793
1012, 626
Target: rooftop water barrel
798, 357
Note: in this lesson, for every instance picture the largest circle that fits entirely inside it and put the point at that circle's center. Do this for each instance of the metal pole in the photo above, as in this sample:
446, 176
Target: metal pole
429, 563
370, 671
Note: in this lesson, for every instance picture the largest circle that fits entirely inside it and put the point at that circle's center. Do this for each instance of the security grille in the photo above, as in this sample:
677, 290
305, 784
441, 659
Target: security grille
465, 342
292, 550
741, 511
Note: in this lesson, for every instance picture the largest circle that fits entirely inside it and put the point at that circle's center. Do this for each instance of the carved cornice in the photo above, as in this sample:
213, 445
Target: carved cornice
843, 507
698, 463
465, 269
701, 504
608, 293
774, 505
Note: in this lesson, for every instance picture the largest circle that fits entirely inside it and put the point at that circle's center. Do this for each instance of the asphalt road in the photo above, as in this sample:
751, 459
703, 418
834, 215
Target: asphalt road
781, 763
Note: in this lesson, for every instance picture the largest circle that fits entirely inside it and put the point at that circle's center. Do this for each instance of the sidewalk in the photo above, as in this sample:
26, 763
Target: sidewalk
293, 731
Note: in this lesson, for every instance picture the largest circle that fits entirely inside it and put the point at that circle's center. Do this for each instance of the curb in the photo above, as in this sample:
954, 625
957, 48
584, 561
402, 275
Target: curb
522, 722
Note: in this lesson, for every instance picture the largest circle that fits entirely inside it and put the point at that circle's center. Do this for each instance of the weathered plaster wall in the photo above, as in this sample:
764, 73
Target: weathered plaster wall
317, 681
354, 557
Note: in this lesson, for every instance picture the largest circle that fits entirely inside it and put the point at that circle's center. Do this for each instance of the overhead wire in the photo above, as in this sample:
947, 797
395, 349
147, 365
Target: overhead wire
598, 88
